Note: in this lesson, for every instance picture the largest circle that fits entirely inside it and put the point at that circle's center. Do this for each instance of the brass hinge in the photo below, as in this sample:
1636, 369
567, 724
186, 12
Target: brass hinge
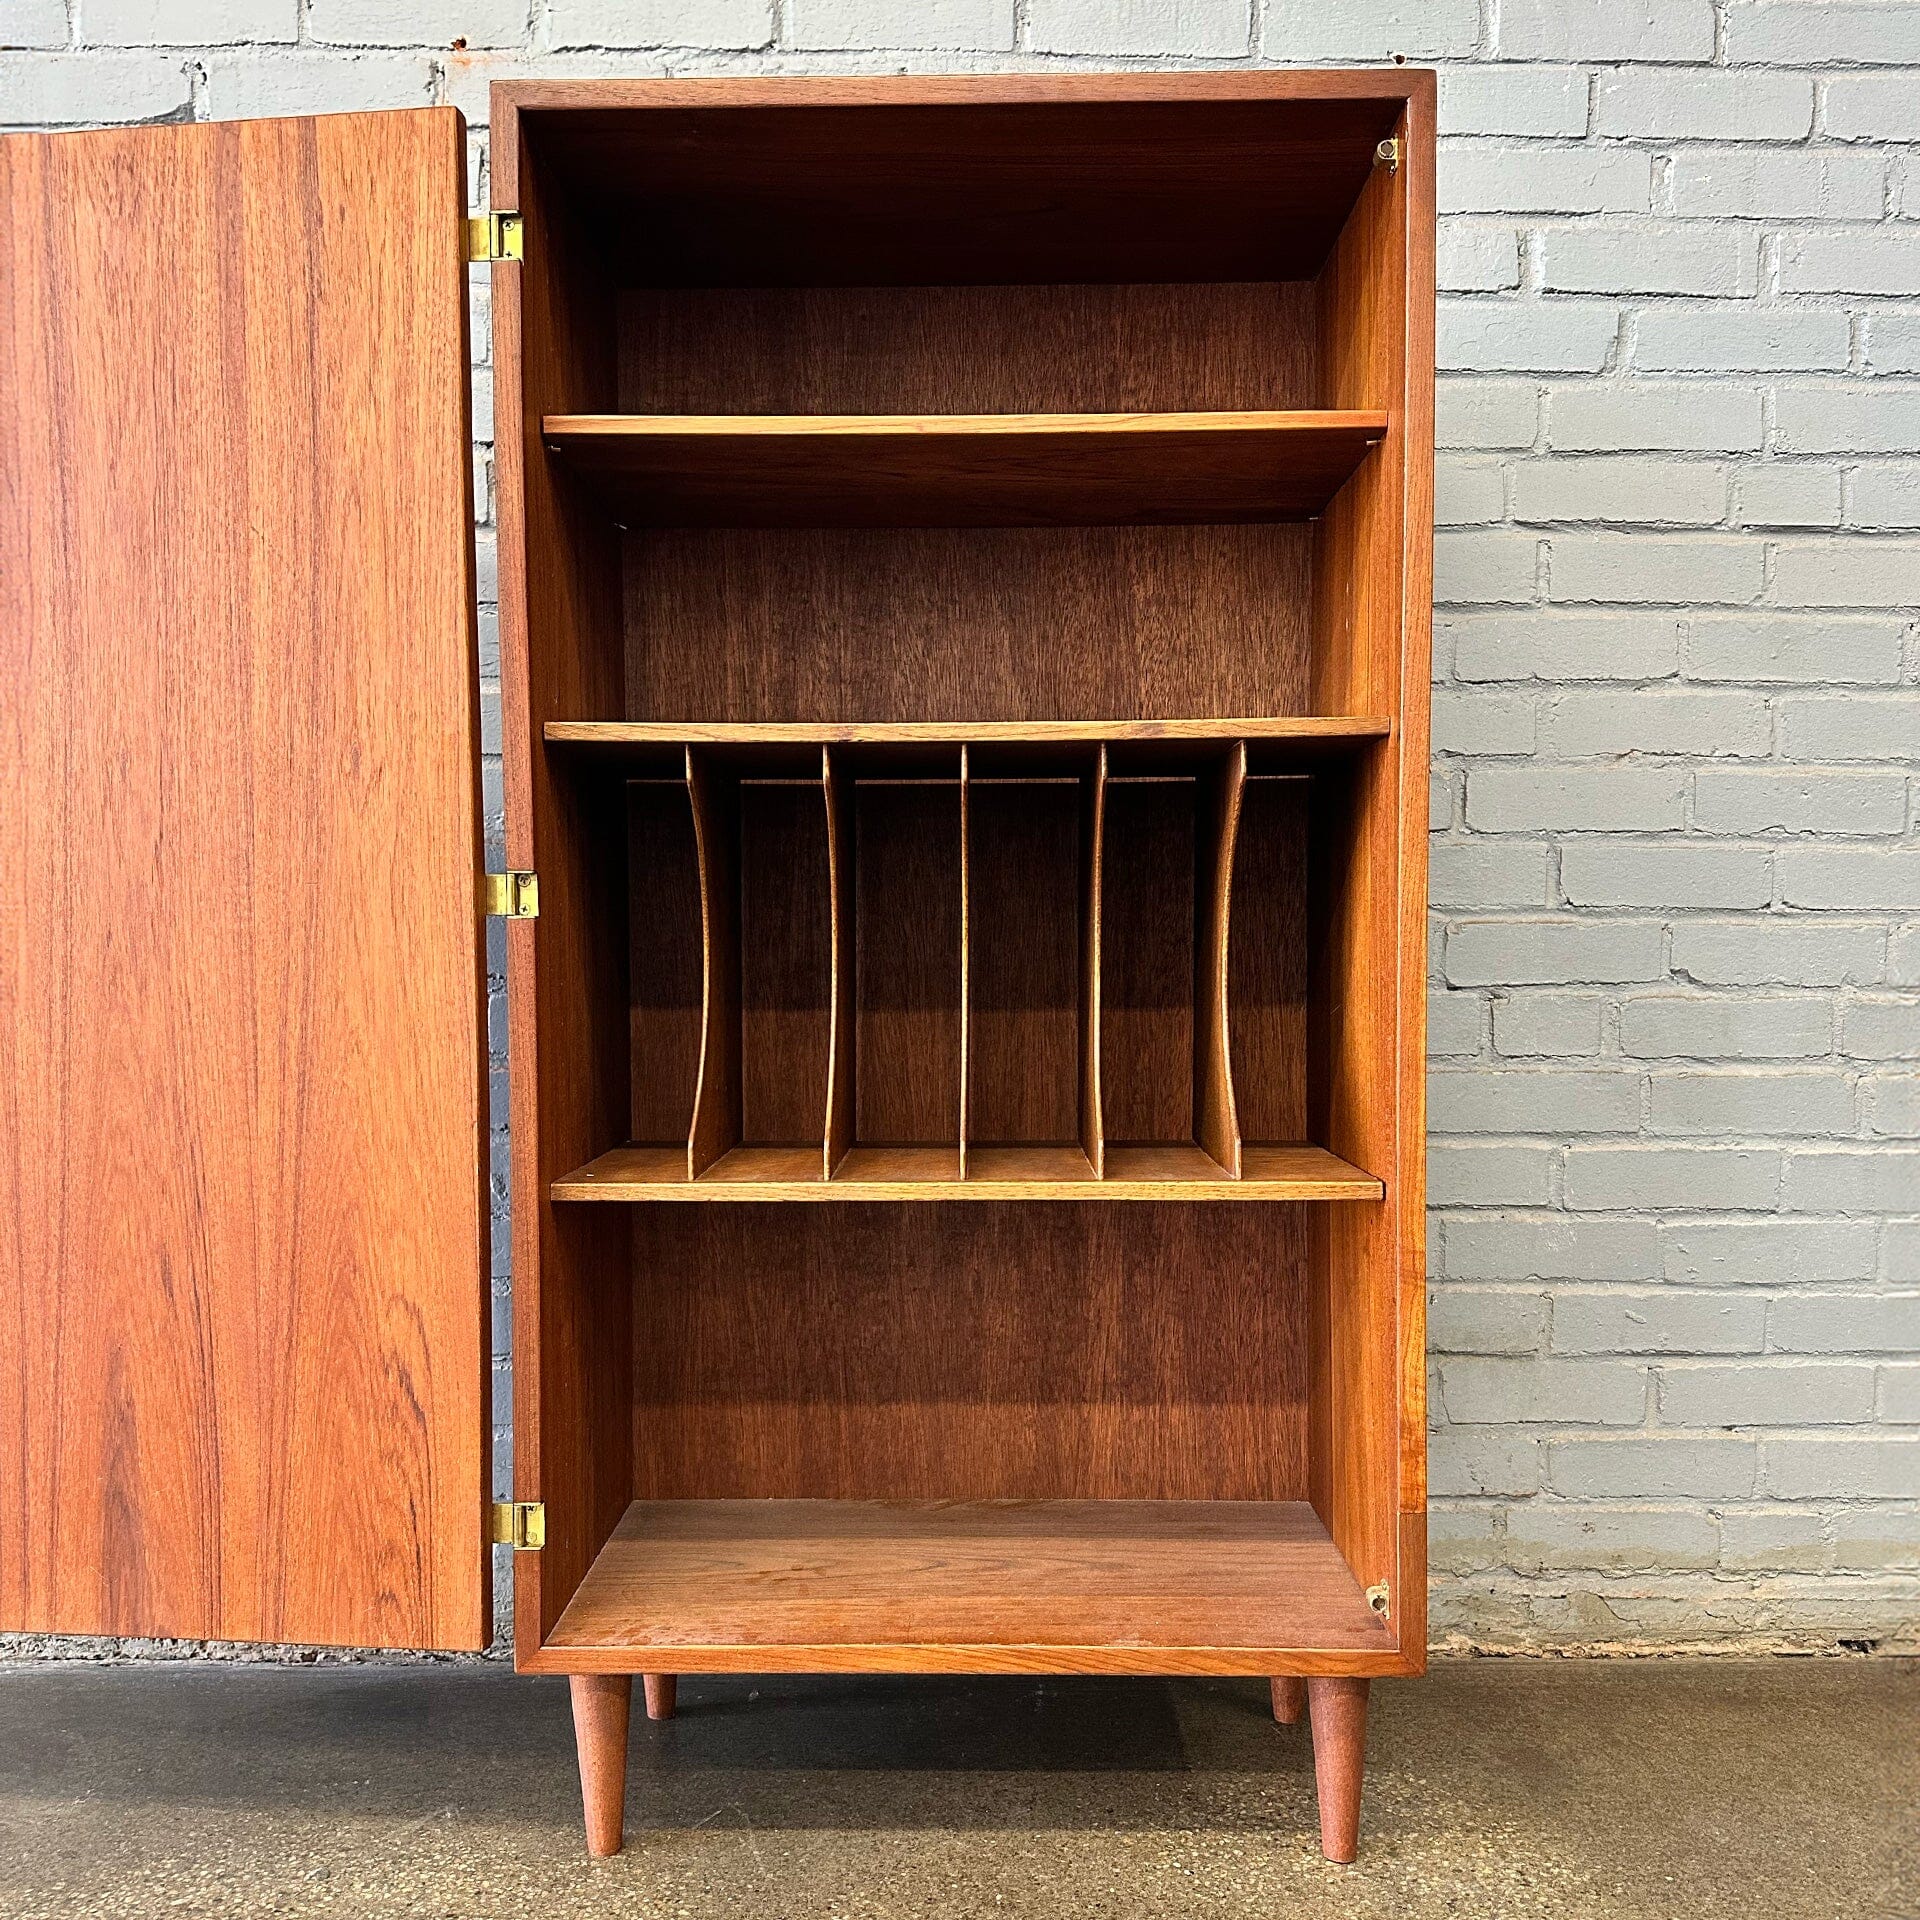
494, 236
520, 1524
514, 896
1380, 1599
1386, 154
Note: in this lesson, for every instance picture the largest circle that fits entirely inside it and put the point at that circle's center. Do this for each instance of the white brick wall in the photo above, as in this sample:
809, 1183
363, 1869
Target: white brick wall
1676, 958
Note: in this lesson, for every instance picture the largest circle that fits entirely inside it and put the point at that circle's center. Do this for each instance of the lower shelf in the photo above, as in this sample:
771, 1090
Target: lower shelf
1294, 1172
980, 1586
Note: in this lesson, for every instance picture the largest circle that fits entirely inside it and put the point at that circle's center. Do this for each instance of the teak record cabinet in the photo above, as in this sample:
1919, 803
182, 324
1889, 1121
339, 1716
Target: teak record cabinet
964, 554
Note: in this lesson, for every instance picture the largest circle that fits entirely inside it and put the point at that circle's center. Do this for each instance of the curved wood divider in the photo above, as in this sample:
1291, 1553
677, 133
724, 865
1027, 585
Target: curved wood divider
1216, 1118
837, 786
966, 955
716, 836
1093, 826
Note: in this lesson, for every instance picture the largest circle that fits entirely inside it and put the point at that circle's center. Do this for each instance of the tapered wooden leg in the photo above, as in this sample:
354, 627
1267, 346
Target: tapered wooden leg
1289, 1698
601, 1703
661, 1688
1339, 1708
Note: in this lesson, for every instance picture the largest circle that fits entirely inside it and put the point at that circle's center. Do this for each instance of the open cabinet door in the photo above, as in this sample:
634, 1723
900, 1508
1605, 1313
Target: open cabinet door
243, 1231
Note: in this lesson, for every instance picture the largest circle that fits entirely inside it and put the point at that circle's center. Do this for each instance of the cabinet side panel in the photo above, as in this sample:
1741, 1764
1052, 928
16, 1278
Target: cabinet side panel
567, 979
1372, 619
243, 1238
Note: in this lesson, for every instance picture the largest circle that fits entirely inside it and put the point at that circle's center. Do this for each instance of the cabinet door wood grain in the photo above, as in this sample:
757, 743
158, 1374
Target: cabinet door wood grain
243, 1231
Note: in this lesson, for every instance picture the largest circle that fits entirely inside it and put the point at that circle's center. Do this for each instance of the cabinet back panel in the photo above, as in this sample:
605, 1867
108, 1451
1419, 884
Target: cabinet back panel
663, 1000
1023, 349
906, 930
1023, 912
978, 1351
786, 962
1147, 959
1267, 961
967, 623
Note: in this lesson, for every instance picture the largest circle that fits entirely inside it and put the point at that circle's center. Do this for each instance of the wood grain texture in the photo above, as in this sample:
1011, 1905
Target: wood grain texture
664, 969
963, 624
836, 635
243, 1258
966, 957
964, 470
991, 179
1084, 1586
1147, 994
1216, 1121
1093, 817
1026, 960
1267, 959
1270, 740
662, 1690
716, 835
1152, 1351
837, 786
786, 961
1163, 348
602, 1706
567, 971
907, 946
1285, 1172
1367, 988
1338, 1706
1289, 1695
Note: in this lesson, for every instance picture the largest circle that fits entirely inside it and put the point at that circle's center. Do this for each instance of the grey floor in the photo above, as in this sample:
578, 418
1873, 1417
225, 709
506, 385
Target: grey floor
1767, 1790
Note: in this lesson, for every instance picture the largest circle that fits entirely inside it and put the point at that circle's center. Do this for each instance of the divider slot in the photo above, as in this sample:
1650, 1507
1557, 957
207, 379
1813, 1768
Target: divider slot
716, 829
1267, 967
1170, 820
1028, 954
664, 968
1146, 963
907, 946
786, 959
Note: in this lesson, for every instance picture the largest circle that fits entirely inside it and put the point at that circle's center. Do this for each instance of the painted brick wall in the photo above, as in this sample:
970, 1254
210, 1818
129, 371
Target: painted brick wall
1676, 877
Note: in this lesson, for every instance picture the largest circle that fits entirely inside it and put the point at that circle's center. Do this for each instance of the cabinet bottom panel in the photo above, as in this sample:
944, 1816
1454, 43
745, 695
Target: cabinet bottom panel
988, 1586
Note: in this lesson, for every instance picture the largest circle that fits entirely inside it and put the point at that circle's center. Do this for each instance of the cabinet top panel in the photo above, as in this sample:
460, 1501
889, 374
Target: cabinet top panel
958, 179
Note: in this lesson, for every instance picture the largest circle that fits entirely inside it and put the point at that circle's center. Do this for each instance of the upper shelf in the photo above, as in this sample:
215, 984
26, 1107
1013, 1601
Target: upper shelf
1280, 743
981, 470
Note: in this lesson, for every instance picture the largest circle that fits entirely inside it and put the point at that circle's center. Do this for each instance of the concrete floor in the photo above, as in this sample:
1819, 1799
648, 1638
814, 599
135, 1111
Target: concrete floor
1496, 1789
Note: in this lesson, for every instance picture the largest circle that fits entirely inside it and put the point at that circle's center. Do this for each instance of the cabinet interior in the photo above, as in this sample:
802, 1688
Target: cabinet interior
963, 581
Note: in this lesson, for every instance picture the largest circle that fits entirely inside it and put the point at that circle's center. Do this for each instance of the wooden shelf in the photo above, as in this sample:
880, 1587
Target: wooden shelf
993, 1173
975, 1586
985, 470
1135, 743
